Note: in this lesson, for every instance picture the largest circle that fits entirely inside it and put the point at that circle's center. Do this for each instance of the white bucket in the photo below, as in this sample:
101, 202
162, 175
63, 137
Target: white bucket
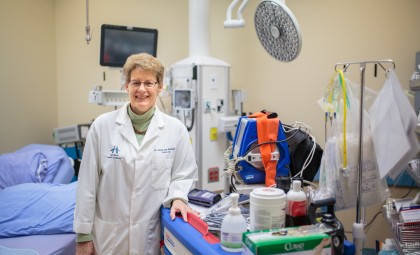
267, 208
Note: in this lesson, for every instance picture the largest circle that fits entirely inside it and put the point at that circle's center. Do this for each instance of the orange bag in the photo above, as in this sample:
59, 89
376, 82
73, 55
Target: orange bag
267, 131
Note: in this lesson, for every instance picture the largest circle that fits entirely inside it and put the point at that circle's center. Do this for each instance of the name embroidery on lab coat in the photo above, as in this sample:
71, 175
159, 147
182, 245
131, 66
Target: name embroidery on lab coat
114, 153
165, 150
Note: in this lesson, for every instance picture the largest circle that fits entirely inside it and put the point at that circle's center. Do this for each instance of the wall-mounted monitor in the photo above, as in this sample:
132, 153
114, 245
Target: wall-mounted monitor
119, 42
183, 99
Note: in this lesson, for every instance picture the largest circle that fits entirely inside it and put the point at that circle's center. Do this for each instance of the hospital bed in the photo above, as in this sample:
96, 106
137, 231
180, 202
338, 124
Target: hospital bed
37, 202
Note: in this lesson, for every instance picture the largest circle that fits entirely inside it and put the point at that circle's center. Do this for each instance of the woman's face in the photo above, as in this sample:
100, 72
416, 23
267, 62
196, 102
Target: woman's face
142, 90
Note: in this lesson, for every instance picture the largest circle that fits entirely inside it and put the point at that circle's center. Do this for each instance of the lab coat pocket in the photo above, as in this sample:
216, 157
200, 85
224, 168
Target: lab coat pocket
161, 173
104, 234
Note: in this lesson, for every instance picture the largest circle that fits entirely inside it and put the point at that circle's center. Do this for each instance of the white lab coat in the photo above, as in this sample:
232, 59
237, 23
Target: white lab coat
122, 185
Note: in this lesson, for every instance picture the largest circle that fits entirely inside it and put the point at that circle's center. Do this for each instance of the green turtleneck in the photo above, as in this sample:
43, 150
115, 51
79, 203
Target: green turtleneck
140, 122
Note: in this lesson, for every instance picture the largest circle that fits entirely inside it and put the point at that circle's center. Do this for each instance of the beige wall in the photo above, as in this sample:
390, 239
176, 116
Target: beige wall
331, 32
28, 85
47, 68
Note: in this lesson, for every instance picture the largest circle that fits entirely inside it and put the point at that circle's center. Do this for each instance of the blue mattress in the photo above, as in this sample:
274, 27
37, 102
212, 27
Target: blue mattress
37, 209
59, 244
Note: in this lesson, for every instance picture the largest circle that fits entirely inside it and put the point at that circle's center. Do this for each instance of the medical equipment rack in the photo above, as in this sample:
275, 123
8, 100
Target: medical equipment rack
358, 229
407, 234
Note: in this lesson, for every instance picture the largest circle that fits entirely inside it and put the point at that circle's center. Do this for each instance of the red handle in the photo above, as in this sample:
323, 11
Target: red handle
202, 227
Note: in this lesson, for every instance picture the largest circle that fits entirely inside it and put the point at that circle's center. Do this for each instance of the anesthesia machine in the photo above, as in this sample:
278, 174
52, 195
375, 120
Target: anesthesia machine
200, 98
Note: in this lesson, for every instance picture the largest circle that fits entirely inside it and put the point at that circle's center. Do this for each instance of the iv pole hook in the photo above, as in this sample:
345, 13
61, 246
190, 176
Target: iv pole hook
88, 36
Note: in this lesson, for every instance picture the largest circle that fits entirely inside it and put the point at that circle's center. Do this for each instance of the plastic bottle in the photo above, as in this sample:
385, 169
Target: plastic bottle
348, 248
233, 226
296, 206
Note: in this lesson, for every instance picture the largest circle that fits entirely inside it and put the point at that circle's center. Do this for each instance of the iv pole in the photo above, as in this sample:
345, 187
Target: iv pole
358, 228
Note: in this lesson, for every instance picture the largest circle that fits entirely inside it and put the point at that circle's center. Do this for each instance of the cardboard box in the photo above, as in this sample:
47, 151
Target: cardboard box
305, 240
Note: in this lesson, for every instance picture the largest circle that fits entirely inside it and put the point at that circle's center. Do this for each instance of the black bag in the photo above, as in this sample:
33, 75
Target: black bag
300, 145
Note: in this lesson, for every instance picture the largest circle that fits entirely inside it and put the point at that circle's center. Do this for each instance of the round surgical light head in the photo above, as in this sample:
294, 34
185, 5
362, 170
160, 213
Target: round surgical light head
278, 30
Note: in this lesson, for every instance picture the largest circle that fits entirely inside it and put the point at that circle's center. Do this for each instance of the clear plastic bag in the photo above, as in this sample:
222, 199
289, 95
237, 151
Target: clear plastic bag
339, 168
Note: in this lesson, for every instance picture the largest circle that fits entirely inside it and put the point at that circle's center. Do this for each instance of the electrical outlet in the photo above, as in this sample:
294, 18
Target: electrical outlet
213, 174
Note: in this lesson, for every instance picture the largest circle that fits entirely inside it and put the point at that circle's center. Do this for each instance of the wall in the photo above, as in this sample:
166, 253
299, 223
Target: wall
331, 32
28, 97
47, 68
78, 69
329, 35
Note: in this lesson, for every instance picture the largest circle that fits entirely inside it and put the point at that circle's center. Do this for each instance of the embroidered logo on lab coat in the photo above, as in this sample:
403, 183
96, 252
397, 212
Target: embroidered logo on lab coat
114, 153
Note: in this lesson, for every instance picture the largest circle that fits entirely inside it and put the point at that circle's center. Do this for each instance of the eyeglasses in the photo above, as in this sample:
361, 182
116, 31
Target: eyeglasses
147, 84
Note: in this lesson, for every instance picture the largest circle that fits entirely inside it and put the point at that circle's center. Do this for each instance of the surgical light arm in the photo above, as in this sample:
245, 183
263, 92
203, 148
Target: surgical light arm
235, 23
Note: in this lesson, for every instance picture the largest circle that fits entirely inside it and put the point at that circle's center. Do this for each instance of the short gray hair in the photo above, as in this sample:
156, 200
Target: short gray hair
145, 62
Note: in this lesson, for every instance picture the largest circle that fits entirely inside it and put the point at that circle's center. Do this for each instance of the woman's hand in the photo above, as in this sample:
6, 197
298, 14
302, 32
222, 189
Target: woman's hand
178, 206
85, 248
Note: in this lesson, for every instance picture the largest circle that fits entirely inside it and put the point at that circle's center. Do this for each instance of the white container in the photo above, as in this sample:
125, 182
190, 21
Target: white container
267, 208
233, 226
296, 206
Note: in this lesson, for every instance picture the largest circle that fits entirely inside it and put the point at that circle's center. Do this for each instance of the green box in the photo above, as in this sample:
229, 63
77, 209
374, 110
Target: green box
294, 241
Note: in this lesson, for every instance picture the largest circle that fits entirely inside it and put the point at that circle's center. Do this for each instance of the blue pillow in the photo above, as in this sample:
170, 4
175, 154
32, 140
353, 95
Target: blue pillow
22, 167
59, 167
35, 163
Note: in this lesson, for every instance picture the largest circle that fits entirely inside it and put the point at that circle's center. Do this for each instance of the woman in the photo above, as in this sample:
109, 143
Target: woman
135, 159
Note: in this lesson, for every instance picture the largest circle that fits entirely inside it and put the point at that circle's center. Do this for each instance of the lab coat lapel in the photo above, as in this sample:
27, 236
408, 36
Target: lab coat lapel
155, 126
126, 127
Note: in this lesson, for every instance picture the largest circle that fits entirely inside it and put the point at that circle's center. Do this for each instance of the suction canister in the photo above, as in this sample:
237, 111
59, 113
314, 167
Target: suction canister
267, 208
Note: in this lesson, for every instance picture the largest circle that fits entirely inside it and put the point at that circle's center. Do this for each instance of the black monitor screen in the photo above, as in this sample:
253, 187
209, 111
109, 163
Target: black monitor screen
119, 42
